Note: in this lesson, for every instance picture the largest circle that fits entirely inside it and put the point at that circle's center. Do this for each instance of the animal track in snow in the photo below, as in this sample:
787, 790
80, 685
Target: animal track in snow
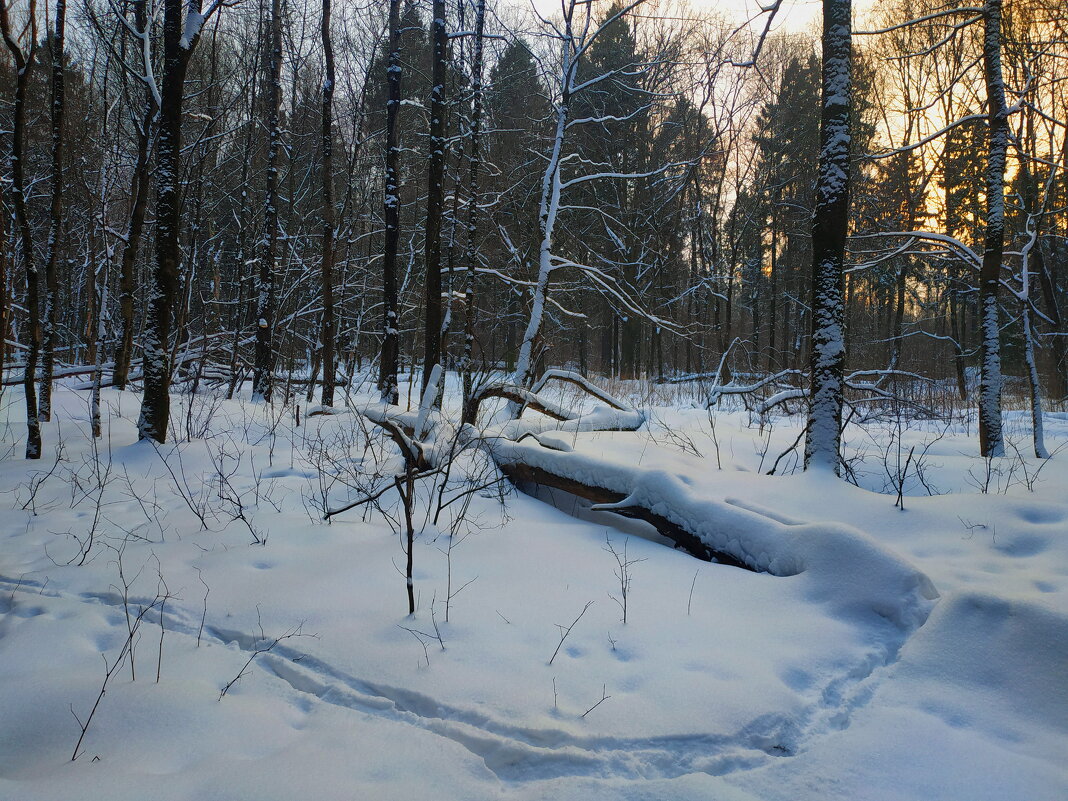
518, 753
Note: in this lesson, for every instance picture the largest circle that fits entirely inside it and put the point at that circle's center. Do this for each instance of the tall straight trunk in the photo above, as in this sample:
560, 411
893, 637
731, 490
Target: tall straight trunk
472, 211
23, 66
435, 194
100, 290
387, 378
239, 311
326, 327
1047, 271
178, 45
956, 328
263, 368
1060, 341
4, 299
773, 294
1033, 381
139, 188
1032, 251
55, 215
830, 223
898, 329
991, 440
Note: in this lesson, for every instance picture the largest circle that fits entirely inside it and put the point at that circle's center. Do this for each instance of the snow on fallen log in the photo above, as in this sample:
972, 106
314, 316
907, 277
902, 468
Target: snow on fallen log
601, 418
844, 567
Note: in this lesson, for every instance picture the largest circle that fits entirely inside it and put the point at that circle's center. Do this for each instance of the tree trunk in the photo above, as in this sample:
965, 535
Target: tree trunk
326, 327
387, 377
23, 66
435, 195
991, 441
178, 45
55, 215
547, 214
472, 212
830, 221
263, 369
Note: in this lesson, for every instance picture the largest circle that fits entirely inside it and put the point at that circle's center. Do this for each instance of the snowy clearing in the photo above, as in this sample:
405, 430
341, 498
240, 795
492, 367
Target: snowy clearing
882, 654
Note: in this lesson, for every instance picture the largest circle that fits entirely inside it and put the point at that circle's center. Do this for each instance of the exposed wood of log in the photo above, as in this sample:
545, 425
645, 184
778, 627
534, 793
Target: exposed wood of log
519, 472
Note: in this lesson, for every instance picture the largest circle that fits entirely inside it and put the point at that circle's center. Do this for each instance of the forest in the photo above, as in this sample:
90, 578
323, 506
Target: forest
358, 353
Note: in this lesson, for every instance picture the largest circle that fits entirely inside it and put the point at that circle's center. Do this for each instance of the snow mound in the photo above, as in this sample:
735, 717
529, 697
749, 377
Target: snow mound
1009, 657
843, 566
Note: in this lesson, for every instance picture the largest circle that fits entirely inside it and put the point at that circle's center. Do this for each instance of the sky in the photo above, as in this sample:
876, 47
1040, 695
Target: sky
794, 15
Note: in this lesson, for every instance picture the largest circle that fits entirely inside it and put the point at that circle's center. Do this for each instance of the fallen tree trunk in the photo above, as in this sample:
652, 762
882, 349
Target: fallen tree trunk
838, 564
518, 472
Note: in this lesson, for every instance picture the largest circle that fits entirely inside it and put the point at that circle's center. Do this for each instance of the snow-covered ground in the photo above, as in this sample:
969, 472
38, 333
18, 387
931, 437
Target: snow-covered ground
900, 654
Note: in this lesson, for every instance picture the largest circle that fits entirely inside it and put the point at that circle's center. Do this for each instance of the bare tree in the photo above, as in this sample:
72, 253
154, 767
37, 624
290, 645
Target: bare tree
575, 35
55, 216
140, 183
22, 44
470, 254
183, 22
326, 326
263, 372
830, 224
435, 193
387, 378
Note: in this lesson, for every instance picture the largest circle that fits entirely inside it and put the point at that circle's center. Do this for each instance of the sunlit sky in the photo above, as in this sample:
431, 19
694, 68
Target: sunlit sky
795, 15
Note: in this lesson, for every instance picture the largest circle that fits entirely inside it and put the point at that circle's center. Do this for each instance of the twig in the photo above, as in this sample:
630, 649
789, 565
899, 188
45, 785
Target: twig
263, 649
604, 697
568, 630
692, 585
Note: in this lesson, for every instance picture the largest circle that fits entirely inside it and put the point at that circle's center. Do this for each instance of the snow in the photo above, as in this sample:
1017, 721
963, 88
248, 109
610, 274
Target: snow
887, 654
194, 21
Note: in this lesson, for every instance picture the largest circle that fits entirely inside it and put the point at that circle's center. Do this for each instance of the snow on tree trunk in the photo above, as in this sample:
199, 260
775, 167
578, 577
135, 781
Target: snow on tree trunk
1033, 381
23, 66
472, 211
263, 369
435, 194
387, 378
547, 213
55, 216
991, 439
830, 221
139, 188
326, 328
163, 287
